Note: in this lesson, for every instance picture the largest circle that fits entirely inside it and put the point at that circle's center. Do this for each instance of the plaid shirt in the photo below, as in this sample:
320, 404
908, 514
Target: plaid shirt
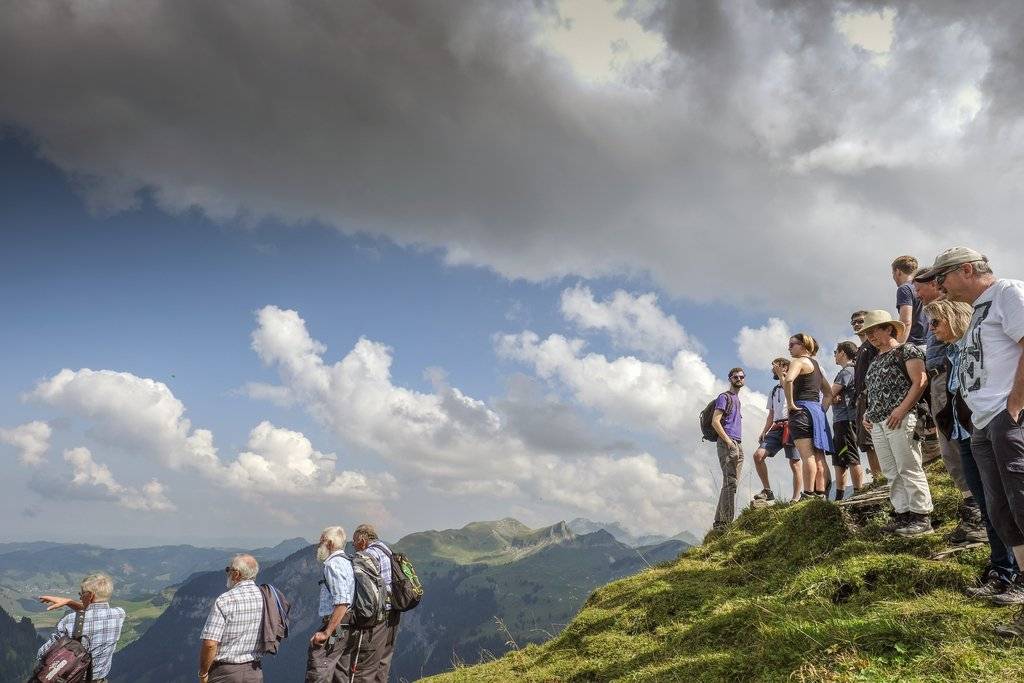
101, 630
339, 584
234, 622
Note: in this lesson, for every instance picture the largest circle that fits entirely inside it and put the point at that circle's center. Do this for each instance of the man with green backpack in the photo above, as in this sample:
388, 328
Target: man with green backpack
379, 640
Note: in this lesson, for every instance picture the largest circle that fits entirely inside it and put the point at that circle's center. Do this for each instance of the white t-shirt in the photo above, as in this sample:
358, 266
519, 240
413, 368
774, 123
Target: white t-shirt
777, 403
991, 349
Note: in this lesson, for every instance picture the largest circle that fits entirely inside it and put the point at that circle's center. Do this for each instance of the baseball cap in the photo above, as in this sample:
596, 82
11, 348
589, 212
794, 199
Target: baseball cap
947, 259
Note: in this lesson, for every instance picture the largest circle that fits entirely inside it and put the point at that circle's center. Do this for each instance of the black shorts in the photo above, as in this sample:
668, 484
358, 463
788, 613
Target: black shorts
801, 426
844, 440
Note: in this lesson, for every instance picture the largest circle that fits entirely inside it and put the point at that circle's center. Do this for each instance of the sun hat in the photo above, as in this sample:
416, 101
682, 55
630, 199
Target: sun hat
876, 318
947, 259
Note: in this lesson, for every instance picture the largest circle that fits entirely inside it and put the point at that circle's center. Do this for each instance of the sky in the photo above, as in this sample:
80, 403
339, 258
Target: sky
277, 267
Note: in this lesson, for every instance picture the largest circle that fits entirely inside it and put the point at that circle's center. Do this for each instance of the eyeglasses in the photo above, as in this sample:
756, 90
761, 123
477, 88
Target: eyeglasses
934, 323
857, 321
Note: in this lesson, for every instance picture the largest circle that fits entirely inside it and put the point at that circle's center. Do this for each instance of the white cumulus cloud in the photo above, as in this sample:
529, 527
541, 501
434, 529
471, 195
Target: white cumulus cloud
32, 440
89, 474
633, 322
757, 347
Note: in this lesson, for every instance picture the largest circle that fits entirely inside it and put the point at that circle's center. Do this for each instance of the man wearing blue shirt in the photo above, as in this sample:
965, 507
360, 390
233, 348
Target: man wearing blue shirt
332, 652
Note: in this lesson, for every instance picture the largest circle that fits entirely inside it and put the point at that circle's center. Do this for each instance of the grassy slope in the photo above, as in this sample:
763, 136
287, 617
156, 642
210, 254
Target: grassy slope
791, 592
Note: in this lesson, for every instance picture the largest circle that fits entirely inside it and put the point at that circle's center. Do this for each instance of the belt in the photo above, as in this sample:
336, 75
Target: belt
935, 372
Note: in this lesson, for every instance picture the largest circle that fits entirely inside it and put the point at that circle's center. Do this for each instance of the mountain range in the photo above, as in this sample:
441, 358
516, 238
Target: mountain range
144, 578
487, 584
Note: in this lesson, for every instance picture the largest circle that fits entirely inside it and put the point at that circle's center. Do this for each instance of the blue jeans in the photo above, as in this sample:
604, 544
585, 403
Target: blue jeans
1000, 556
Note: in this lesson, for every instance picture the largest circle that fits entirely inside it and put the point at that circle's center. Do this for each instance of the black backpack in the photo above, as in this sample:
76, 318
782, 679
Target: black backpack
706, 428
370, 597
406, 589
68, 661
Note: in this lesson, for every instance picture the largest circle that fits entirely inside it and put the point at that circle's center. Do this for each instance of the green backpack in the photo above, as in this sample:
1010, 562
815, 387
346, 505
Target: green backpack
406, 589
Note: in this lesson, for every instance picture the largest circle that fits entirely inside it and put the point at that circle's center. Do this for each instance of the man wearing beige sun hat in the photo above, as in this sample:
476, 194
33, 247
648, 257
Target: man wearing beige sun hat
895, 381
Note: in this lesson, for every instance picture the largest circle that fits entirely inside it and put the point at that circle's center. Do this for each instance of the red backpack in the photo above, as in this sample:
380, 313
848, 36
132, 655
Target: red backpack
68, 661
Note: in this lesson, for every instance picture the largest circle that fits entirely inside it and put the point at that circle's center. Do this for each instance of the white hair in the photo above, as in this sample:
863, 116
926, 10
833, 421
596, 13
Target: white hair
100, 585
334, 534
246, 566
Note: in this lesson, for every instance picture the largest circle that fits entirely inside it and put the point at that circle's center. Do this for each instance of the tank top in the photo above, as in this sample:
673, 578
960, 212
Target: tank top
807, 387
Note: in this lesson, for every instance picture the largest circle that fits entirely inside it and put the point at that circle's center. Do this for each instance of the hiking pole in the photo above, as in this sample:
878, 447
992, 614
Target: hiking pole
355, 660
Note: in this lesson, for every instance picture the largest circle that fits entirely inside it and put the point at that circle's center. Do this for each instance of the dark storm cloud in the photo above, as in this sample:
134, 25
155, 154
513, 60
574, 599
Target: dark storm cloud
760, 142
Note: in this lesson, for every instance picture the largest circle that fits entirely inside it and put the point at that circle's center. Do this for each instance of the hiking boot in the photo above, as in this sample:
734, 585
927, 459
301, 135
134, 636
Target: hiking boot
766, 494
898, 520
916, 525
991, 585
971, 528
1012, 595
1014, 629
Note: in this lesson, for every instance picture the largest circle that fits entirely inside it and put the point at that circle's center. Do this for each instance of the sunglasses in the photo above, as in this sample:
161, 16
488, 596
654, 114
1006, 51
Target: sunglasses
934, 323
227, 570
737, 376
941, 277
857, 321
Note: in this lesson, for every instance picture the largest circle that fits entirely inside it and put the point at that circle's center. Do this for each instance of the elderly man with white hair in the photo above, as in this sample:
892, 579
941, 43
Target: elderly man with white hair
231, 652
332, 650
101, 626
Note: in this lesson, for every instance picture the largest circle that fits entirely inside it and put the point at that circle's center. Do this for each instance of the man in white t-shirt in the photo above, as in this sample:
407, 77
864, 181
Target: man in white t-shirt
992, 384
774, 437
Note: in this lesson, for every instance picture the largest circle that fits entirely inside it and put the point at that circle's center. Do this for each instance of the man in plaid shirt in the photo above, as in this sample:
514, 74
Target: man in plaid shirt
102, 625
231, 649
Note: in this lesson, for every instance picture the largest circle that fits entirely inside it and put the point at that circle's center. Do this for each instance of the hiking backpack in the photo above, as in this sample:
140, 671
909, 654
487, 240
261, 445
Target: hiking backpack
68, 661
707, 429
274, 627
406, 589
370, 596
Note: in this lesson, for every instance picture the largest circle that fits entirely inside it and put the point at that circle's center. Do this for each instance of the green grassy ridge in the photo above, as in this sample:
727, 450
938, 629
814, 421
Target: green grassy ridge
792, 592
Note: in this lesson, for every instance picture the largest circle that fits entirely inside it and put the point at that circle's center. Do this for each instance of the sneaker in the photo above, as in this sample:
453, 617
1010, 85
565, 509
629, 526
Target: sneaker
1013, 629
916, 525
991, 585
971, 528
766, 494
807, 495
1012, 595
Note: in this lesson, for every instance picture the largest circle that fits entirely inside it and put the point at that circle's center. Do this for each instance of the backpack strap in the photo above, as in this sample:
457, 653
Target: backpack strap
76, 634
728, 403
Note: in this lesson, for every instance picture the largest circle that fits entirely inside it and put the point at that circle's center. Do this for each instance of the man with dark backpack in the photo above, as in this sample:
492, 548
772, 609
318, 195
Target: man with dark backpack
379, 642
81, 648
727, 421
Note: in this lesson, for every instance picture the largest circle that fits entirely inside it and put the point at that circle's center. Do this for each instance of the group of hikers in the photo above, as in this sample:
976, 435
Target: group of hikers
951, 361
355, 639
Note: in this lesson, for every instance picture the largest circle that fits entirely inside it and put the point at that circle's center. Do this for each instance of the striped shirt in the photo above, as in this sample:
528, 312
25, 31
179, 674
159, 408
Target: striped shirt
101, 630
339, 584
234, 622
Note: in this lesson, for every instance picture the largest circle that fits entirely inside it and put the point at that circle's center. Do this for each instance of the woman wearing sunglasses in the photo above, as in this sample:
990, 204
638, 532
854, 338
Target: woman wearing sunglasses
808, 396
949, 322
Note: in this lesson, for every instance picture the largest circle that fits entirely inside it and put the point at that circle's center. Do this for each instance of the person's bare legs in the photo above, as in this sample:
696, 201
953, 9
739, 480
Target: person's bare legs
760, 456
810, 466
821, 472
857, 475
873, 464
840, 480
798, 478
